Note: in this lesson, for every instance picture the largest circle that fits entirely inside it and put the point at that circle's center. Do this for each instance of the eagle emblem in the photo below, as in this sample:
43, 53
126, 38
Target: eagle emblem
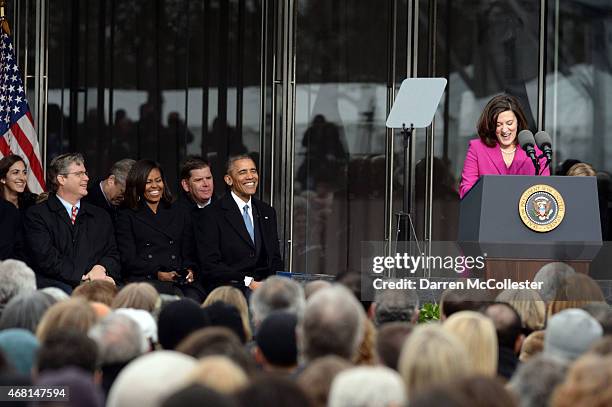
542, 207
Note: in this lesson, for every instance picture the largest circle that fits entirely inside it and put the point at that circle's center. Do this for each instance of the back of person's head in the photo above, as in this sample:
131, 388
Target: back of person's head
150, 379
507, 322
313, 286
587, 383
389, 341
529, 306
276, 294
232, 296
352, 281
268, 390
483, 391
602, 346
535, 380
601, 311
19, 348
118, 338
219, 373
332, 324
570, 333
551, 276
196, 395
67, 348
367, 386
177, 320
146, 325
223, 314
75, 313
276, 339
96, 291
581, 170
395, 306
575, 291
216, 340
455, 300
532, 345
57, 293
82, 389
26, 310
317, 378
478, 335
15, 278
432, 355
137, 295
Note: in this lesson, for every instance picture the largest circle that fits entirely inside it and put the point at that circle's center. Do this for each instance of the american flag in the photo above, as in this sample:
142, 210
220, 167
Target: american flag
17, 134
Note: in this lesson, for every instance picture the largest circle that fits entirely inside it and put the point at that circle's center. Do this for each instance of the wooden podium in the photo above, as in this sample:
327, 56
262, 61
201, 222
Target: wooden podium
499, 214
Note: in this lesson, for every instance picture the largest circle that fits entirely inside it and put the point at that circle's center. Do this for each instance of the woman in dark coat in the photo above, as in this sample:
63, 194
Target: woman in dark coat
154, 236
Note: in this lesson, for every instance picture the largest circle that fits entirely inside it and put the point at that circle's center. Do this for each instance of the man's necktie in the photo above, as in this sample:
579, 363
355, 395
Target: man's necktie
248, 223
74, 214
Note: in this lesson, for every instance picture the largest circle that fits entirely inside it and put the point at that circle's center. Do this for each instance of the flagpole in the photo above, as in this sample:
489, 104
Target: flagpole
3, 21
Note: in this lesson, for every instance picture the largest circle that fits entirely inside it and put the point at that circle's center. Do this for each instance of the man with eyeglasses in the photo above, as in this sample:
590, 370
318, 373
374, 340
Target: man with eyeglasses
108, 193
69, 241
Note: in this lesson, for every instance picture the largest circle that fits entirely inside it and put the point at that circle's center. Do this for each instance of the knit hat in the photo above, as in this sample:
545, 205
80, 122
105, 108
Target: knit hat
177, 320
570, 333
19, 347
276, 338
82, 389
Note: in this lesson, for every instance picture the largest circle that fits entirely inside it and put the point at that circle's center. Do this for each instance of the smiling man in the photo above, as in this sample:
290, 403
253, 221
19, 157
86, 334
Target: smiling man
236, 236
197, 184
68, 240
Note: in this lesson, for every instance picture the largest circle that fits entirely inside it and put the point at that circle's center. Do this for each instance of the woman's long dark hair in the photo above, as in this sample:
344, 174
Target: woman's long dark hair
488, 119
137, 180
5, 164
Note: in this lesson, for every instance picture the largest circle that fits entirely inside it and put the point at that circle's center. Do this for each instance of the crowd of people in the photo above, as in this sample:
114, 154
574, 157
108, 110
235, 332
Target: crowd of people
316, 344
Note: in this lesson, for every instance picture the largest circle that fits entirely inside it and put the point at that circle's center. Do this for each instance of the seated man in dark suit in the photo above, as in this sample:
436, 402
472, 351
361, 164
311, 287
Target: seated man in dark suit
236, 236
69, 240
10, 225
196, 183
108, 194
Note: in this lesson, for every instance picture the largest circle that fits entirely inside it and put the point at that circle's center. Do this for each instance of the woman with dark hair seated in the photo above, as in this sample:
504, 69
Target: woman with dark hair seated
14, 182
154, 236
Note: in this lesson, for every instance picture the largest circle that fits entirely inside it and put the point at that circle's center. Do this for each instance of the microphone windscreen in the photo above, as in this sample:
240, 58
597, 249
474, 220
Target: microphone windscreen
525, 139
542, 138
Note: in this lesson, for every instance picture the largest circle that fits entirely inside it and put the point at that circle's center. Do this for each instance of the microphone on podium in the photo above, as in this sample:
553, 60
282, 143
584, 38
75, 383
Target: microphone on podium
544, 142
527, 143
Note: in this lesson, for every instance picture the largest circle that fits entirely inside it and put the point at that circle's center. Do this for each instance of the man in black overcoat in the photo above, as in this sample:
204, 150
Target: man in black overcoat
108, 193
68, 240
236, 236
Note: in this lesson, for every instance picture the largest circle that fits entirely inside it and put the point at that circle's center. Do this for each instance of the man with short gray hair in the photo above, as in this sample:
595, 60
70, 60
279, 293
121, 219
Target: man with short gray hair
119, 342
395, 306
109, 192
15, 278
332, 324
69, 240
276, 294
535, 380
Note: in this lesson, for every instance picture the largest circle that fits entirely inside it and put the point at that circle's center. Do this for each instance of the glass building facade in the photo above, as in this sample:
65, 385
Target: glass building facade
306, 85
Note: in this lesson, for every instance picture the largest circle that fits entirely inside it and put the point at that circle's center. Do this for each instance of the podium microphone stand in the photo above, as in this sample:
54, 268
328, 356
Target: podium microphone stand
414, 108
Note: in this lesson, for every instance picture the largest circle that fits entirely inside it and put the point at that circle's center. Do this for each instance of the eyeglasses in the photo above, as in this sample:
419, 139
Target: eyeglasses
79, 174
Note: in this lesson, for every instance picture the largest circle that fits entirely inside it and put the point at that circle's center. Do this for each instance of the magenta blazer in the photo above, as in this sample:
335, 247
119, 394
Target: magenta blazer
484, 160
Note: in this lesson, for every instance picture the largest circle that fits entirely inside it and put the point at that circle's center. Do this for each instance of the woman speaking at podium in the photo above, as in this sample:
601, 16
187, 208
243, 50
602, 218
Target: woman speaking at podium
496, 150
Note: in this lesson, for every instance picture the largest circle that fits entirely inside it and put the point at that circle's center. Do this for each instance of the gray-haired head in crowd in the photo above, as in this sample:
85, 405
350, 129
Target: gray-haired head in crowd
276, 294
395, 306
551, 276
367, 386
15, 278
26, 310
332, 324
534, 381
119, 339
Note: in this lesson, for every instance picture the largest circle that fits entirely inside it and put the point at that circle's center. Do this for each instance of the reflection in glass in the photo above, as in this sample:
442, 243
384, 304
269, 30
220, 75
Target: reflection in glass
339, 133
